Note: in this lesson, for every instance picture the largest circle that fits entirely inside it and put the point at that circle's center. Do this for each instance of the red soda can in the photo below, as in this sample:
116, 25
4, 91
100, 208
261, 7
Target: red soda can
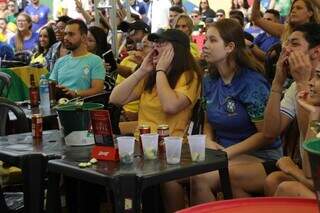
163, 131
37, 125
144, 129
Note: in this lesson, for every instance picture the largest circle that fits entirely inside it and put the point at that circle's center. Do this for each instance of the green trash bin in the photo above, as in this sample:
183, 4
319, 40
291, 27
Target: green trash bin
312, 146
75, 117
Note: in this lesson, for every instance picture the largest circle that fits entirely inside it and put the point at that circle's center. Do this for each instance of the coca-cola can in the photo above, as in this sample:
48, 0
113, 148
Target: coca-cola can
37, 125
163, 131
144, 129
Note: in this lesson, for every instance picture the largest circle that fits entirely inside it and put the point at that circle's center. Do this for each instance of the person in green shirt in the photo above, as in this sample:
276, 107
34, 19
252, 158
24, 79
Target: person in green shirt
12, 17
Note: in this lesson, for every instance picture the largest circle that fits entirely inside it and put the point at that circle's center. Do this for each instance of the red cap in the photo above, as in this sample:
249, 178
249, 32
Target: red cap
3, 1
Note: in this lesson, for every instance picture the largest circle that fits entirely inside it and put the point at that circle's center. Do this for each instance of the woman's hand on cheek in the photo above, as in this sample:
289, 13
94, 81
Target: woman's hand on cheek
314, 111
166, 59
147, 63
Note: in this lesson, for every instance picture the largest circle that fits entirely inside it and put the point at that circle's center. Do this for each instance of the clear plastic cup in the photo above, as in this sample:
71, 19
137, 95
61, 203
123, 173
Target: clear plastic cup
173, 149
126, 149
197, 144
150, 145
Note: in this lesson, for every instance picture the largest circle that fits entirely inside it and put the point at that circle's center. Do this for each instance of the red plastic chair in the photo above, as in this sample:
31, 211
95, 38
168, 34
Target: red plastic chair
257, 205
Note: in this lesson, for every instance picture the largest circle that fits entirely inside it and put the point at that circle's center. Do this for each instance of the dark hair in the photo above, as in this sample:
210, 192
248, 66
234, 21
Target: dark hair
51, 37
231, 31
101, 40
64, 19
221, 11
311, 32
274, 12
237, 6
176, 9
82, 26
238, 17
200, 8
182, 62
236, 12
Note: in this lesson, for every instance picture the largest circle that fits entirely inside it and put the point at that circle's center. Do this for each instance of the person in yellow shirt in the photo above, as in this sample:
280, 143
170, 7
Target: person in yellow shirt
184, 23
133, 61
46, 39
167, 84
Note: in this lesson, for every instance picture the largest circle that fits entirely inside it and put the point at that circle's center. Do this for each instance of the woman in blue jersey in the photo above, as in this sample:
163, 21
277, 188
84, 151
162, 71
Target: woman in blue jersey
236, 93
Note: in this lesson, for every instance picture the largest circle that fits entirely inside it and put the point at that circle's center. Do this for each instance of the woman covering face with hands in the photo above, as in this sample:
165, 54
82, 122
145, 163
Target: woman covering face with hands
167, 84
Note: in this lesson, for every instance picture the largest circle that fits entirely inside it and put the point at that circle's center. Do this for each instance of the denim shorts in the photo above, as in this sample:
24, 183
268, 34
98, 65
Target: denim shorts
268, 154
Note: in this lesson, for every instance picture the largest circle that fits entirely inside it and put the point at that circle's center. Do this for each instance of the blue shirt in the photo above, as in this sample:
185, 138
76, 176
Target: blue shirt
6, 52
78, 72
265, 41
29, 44
42, 11
232, 109
254, 31
139, 7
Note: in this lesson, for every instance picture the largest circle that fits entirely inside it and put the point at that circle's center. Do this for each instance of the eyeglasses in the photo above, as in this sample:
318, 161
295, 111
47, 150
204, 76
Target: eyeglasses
181, 26
21, 21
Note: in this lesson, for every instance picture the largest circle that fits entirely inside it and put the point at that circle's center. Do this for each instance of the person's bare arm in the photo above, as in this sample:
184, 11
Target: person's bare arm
274, 121
124, 92
275, 29
171, 101
252, 143
124, 71
96, 87
256, 51
286, 165
85, 14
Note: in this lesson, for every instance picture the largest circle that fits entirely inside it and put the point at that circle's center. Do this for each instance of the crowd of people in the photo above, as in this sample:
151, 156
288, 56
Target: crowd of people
163, 68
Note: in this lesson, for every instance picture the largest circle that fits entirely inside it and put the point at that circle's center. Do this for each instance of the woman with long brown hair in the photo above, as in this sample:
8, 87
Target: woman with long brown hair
205, 10
236, 94
167, 84
301, 12
24, 39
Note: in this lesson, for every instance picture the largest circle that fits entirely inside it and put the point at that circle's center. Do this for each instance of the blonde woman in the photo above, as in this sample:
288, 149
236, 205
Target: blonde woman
24, 39
184, 23
301, 12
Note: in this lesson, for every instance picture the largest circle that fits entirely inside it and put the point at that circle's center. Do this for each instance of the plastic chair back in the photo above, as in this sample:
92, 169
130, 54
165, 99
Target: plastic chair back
5, 80
22, 122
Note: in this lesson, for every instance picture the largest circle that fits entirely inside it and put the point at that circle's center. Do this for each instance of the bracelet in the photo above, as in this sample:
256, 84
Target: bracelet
161, 71
276, 91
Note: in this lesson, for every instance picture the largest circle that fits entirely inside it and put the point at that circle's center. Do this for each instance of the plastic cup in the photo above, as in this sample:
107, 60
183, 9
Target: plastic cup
173, 149
126, 149
197, 144
150, 145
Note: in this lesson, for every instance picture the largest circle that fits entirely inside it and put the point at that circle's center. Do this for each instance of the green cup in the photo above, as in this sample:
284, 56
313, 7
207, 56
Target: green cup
312, 146
75, 117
